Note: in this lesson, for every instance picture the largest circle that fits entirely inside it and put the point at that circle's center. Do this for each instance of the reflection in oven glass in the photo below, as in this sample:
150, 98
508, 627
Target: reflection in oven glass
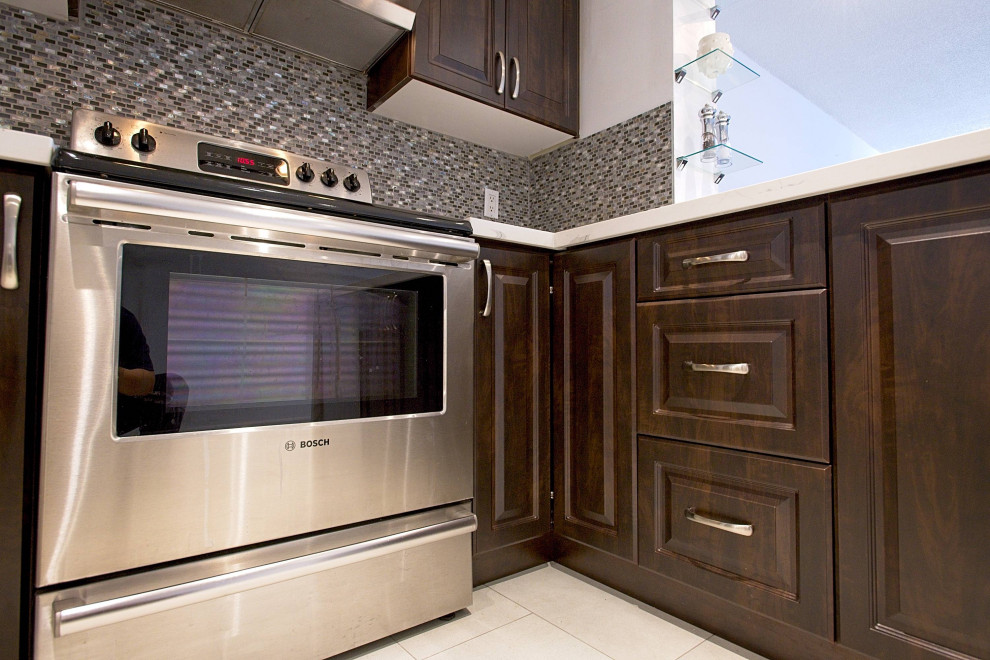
319, 342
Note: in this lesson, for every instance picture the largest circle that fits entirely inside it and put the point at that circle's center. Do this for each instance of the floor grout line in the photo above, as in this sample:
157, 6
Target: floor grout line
588, 644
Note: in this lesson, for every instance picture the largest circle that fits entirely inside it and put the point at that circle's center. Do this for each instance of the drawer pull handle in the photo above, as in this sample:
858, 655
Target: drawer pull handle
741, 368
734, 528
741, 255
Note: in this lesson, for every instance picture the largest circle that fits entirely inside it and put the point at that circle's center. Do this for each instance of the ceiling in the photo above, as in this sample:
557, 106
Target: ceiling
894, 72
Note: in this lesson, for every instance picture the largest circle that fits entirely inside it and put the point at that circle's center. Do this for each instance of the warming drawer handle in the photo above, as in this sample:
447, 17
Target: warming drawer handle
71, 617
500, 56
487, 311
741, 368
8, 267
734, 528
740, 255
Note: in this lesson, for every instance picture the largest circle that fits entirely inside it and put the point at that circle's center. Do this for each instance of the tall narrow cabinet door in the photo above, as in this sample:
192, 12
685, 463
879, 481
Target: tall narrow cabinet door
457, 44
911, 285
541, 39
512, 409
21, 330
594, 377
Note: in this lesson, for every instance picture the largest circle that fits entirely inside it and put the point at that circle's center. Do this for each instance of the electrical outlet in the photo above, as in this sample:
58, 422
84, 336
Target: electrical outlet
491, 204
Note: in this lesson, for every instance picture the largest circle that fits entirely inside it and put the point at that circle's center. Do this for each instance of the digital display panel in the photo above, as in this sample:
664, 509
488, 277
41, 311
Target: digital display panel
243, 164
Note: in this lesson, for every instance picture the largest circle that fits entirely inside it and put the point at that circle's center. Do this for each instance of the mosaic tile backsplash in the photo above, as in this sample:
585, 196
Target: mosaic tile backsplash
137, 59
621, 170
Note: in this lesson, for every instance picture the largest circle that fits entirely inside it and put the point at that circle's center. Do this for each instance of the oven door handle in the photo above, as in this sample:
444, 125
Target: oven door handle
487, 311
72, 617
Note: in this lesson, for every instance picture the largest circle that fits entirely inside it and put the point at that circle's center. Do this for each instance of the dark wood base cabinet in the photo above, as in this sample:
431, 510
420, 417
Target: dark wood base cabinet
512, 412
911, 314
810, 478
751, 529
594, 379
21, 333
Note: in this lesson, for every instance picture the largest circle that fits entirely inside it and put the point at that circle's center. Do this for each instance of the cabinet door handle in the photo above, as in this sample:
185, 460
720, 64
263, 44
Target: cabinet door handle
488, 297
741, 368
500, 56
514, 62
8, 267
734, 528
741, 255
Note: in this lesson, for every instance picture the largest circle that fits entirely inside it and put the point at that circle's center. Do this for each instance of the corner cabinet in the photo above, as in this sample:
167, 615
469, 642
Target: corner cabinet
518, 55
911, 333
21, 330
594, 315
512, 412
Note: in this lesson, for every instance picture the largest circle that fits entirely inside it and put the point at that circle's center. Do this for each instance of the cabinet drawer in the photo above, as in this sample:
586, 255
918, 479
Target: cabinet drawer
754, 530
784, 250
748, 372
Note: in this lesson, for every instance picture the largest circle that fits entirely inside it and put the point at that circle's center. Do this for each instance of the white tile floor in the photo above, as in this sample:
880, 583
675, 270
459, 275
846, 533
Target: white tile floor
551, 612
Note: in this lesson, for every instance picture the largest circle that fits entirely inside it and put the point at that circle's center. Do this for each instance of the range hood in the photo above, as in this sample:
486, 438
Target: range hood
354, 33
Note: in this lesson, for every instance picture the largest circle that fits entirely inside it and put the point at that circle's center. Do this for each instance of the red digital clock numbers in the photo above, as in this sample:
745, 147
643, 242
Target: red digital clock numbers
245, 161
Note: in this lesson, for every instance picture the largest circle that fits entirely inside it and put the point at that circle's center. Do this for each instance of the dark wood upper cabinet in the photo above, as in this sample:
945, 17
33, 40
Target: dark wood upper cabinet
594, 444
456, 45
519, 55
541, 44
911, 333
512, 412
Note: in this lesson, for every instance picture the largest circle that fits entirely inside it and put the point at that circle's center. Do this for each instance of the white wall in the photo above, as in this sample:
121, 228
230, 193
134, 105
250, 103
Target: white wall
625, 60
773, 122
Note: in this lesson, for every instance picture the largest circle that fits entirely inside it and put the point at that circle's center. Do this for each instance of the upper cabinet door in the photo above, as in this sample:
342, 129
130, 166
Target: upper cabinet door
541, 40
457, 45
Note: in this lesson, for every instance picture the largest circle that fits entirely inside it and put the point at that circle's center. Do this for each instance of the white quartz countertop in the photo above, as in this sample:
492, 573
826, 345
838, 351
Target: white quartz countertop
932, 156
28, 148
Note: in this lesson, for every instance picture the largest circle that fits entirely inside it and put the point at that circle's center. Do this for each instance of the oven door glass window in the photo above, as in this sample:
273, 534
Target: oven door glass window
211, 340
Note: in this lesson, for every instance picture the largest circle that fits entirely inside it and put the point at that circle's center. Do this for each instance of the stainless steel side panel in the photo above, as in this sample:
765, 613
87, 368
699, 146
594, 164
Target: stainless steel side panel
367, 595
109, 504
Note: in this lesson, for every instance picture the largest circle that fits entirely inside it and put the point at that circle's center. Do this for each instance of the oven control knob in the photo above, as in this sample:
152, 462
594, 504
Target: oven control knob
351, 182
142, 141
107, 135
329, 178
305, 173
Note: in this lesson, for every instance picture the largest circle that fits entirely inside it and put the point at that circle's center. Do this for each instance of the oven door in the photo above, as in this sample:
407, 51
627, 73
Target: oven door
221, 373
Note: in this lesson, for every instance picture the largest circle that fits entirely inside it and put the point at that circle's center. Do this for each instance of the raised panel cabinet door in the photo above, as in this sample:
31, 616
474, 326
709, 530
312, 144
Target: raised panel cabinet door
541, 38
911, 285
512, 399
21, 330
594, 376
457, 44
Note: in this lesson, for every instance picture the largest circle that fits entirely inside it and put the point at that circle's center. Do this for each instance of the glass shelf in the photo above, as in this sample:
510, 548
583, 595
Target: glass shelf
718, 161
715, 72
714, 7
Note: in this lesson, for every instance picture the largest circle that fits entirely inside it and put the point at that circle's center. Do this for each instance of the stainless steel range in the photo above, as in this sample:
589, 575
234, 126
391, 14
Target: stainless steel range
257, 431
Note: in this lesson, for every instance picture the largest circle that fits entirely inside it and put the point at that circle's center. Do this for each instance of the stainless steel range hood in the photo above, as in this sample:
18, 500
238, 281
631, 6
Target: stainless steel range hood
354, 33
